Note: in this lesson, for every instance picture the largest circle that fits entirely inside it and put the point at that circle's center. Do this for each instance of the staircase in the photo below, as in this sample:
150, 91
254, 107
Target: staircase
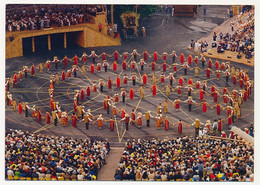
107, 171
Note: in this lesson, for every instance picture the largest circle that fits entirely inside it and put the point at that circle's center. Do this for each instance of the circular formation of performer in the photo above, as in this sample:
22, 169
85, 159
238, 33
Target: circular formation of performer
171, 83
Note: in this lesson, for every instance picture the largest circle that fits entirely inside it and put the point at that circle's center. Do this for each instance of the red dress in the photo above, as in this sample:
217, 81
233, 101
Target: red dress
166, 124
162, 79
92, 68
131, 94
218, 109
154, 90
177, 104
145, 56
88, 91
189, 59
48, 118
204, 107
219, 125
124, 65
144, 79
210, 64
174, 68
164, 56
181, 81
155, 57
116, 56
182, 58
112, 125
132, 65
84, 59
125, 56
39, 116
180, 128
20, 108
201, 95
32, 70
75, 60
196, 61
103, 56
65, 59
216, 65
118, 82
164, 67
114, 66
153, 66
208, 73
48, 65
15, 79
63, 76
51, 104
74, 121
179, 90
82, 96
109, 84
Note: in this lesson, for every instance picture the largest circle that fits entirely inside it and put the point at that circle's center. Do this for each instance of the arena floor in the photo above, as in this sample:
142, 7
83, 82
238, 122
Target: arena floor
34, 90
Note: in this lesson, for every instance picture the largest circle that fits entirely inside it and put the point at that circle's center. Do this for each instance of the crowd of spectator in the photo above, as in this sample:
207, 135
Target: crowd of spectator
241, 41
186, 159
43, 157
31, 17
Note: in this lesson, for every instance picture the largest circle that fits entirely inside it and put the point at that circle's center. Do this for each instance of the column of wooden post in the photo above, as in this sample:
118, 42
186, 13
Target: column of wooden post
65, 40
33, 45
49, 42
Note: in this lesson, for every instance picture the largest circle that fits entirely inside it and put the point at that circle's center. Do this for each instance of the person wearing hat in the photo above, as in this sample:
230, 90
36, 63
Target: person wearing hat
223, 134
141, 90
98, 66
215, 127
55, 117
112, 123
74, 70
139, 120
132, 120
207, 126
68, 74
142, 63
196, 125
55, 61
105, 65
100, 121
47, 64
134, 78
34, 114
26, 108
190, 101
101, 85
93, 56
133, 64
87, 118
74, 119
148, 116
171, 78
126, 118
123, 94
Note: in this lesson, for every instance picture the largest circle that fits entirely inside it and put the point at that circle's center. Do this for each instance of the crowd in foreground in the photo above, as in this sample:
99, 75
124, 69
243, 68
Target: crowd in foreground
33, 17
43, 157
186, 159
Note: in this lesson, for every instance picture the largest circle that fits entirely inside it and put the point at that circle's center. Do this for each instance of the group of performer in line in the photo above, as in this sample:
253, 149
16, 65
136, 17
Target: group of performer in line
165, 85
